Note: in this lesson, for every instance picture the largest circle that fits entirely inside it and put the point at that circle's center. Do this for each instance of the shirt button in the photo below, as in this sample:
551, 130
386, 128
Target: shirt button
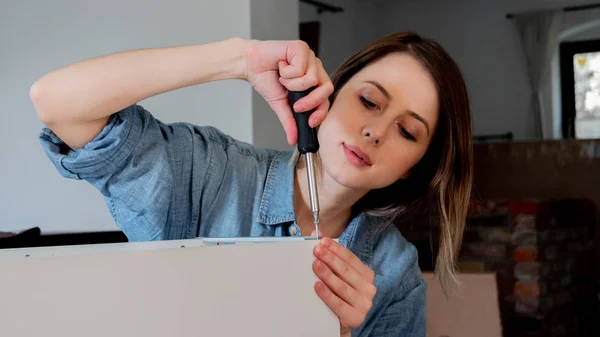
294, 230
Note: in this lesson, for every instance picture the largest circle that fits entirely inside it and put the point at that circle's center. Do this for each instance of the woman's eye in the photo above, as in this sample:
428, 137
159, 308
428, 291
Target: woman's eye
368, 103
407, 134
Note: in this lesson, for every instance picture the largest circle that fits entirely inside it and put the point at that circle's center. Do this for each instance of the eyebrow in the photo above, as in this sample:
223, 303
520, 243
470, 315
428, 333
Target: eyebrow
419, 118
389, 97
382, 89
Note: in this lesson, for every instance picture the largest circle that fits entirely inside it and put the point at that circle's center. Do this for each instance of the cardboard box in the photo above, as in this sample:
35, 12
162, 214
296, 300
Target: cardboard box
472, 311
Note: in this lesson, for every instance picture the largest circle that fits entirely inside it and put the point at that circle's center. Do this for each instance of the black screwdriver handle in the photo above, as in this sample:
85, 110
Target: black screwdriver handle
307, 136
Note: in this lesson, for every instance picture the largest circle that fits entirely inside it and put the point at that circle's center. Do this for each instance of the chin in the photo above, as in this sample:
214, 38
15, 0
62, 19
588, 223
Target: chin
350, 177
346, 171
347, 180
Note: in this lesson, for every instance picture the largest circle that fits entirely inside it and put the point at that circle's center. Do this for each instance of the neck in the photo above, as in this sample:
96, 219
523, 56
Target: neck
335, 201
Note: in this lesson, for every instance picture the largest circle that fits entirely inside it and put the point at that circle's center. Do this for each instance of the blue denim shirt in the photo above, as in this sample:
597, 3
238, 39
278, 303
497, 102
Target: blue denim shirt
181, 181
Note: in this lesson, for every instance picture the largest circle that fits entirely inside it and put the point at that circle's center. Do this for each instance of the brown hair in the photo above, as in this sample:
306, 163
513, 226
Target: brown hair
441, 181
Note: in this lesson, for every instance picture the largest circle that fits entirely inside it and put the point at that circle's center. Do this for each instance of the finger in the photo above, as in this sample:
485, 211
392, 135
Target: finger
339, 286
297, 57
341, 268
316, 97
283, 65
348, 316
319, 115
308, 80
284, 114
346, 255
319, 98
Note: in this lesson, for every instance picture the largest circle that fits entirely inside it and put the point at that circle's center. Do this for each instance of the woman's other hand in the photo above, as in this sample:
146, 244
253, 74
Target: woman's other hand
346, 284
274, 67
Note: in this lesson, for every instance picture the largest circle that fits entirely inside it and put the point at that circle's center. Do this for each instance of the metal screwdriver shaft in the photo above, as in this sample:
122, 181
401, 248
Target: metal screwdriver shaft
308, 145
312, 190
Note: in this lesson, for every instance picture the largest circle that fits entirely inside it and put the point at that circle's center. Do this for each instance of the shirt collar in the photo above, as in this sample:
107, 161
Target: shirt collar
277, 207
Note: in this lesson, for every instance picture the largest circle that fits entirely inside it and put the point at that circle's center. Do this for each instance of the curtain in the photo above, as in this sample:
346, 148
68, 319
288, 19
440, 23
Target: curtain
539, 32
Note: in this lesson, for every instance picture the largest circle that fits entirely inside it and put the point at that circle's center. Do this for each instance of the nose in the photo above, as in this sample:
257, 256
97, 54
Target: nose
376, 130
371, 135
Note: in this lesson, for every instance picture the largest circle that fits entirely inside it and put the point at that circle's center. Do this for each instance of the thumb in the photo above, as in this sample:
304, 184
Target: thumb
284, 114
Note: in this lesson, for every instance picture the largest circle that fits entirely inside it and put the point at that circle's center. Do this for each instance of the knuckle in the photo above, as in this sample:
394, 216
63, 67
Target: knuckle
326, 271
345, 270
371, 276
320, 267
325, 256
329, 87
301, 44
372, 290
337, 305
367, 307
347, 291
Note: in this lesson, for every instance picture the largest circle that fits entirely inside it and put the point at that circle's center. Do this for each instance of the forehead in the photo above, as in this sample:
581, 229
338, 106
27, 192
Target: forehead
409, 83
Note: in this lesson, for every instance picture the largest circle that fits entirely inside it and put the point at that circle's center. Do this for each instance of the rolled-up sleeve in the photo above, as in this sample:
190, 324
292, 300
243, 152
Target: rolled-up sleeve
149, 172
105, 154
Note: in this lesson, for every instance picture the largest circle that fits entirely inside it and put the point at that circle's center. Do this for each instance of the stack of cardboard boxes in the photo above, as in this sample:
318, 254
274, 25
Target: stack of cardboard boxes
543, 255
532, 225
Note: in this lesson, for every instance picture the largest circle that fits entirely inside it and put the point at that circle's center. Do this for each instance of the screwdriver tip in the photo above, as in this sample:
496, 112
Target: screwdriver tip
316, 221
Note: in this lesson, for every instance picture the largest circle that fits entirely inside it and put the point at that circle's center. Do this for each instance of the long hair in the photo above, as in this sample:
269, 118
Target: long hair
441, 181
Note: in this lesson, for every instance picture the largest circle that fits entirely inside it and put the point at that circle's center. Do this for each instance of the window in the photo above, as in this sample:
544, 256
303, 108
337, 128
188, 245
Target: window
580, 88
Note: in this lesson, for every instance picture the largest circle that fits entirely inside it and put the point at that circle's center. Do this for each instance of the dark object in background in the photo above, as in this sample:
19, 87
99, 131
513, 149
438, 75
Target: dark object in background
499, 137
323, 7
310, 33
34, 237
19, 239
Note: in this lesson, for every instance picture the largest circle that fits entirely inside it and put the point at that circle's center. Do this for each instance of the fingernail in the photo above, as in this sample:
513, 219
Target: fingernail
320, 286
317, 266
298, 107
318, 251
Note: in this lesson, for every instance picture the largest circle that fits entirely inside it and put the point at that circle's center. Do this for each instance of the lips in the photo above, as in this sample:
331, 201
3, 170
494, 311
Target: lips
359, 153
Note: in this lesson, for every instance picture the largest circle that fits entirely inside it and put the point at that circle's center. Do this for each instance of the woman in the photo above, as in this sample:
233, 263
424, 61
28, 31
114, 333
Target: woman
394, 131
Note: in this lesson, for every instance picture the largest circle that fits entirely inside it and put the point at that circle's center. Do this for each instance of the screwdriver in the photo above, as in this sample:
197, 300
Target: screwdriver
308, 145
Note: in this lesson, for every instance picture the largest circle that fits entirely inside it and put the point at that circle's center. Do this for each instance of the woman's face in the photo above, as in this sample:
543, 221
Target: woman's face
380, 124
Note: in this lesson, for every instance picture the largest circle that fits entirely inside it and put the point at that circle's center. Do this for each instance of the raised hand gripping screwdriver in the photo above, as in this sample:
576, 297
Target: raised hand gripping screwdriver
308, 145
